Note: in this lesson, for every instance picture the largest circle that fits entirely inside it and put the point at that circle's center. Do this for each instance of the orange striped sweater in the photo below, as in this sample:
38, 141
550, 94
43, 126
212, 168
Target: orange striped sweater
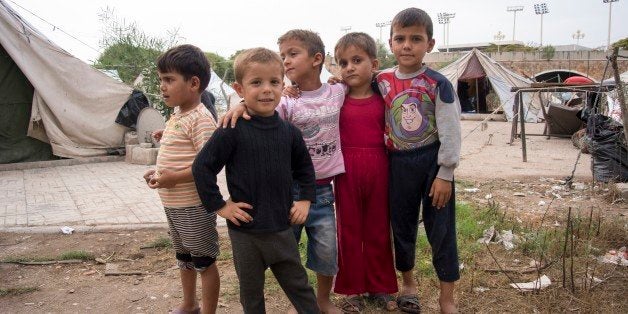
184, 136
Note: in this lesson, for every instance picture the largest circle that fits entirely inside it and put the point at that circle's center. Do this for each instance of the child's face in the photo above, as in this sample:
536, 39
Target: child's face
261, 88
356, 67
297, 61
410, 44
176, 91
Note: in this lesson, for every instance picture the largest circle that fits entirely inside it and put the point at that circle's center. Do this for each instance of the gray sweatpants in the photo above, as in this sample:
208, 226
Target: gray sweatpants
254, 252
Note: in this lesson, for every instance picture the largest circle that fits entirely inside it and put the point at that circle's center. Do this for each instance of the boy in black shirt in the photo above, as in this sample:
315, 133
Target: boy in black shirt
262, 157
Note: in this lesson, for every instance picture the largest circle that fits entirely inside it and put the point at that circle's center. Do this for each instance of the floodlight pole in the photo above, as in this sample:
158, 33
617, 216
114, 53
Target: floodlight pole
610, 9
443, 18
541, 9
381, 26
514, 10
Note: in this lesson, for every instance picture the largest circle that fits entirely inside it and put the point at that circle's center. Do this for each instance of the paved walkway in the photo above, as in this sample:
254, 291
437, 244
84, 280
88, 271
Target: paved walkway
84, 197
93, 196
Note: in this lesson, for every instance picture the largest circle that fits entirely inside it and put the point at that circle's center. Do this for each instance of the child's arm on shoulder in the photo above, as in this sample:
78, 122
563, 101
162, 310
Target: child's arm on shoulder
231, 116
303, 174
448, 125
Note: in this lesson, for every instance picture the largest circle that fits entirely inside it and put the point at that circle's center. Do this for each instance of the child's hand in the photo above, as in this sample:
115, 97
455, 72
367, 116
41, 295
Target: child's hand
299, 211
233, 114
163, 179
157, 135
235, 212
440, 192
291, 91
148, 175
334, 80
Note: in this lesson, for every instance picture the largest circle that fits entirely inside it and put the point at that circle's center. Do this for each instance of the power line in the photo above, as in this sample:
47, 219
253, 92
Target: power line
54, 27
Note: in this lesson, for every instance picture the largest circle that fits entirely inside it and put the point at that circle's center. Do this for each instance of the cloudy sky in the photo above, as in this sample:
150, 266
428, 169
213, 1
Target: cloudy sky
228, 25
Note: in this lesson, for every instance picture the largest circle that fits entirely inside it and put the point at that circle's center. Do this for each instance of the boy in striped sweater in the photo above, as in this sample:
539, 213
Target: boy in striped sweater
184, 73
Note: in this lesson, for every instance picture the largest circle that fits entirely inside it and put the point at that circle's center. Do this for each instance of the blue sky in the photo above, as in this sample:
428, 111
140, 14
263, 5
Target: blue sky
226, 26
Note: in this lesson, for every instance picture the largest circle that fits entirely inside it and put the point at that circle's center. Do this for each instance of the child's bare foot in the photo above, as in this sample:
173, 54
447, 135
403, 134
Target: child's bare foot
447, 306
326, 306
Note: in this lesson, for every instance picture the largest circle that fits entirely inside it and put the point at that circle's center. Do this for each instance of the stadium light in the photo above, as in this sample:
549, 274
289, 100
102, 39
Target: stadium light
444, 18
498, 37
514, 10
610, 8
382, 25
541, 9
577, 36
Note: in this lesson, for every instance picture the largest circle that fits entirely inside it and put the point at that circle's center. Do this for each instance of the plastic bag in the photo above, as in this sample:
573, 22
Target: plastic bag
608, 148
131, 109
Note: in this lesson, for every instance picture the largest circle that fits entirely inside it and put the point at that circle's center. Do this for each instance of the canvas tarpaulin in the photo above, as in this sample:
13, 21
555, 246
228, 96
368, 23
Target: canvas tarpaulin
471, 66
74, 106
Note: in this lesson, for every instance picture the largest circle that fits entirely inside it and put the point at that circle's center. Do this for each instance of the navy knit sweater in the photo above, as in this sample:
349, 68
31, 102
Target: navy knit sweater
262, 157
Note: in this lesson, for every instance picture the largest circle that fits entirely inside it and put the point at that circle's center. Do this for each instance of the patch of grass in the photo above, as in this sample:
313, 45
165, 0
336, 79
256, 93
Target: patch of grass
82, 255
16, 291
161, 243
311, 276
70, 255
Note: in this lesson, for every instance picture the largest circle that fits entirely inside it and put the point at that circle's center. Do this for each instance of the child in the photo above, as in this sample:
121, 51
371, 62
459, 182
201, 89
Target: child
262, 157
316, 114
184, 73
423, 139
365, 262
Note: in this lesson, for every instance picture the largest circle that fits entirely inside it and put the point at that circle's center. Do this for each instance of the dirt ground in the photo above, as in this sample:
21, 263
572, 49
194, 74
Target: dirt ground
491, 173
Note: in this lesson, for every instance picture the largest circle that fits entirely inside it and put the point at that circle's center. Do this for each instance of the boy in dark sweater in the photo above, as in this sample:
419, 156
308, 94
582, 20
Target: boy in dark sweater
262, 156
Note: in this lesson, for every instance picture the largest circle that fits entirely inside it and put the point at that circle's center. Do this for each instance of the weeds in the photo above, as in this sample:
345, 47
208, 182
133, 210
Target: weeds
16, 291
160, 243
70, 255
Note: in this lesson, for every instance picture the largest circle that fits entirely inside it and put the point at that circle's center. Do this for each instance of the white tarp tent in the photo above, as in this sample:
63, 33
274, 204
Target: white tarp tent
74, 106
221, 90
476, 64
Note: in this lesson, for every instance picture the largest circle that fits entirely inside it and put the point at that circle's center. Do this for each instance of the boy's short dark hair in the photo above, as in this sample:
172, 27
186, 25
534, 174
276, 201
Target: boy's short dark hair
187, 60
255, 55
310, 39
413, 17
359, 40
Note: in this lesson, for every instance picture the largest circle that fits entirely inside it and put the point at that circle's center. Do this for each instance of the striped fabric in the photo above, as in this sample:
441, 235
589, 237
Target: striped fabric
193, 231
183, 138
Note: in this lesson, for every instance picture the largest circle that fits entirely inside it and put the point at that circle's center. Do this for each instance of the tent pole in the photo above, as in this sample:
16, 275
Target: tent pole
513, 131
477, 97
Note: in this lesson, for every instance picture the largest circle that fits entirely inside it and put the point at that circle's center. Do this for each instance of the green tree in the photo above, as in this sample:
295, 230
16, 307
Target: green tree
221, 66
132, 52
622, 44
386, 59
548, 52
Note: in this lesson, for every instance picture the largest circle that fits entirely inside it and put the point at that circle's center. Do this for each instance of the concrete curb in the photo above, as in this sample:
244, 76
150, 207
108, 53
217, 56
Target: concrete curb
59, 163
83, 229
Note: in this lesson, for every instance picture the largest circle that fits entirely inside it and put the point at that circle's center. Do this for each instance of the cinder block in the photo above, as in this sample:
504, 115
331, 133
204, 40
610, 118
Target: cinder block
144, 156
129, 153
131, 138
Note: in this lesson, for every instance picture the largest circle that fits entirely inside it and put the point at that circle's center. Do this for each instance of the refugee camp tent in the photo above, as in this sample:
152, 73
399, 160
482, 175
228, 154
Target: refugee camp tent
477, 65
221, 90
53, 97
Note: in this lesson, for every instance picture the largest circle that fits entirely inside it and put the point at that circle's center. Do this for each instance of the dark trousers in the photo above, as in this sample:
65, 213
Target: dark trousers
253, 253
411, 175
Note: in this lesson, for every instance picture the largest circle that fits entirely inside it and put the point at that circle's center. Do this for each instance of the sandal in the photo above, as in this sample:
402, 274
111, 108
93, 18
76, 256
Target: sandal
409, 303
384, 301
354, 304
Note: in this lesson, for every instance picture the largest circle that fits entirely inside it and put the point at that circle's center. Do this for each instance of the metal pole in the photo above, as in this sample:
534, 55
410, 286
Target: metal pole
445, 38
608, 40
542, 30
447, 35
514, 23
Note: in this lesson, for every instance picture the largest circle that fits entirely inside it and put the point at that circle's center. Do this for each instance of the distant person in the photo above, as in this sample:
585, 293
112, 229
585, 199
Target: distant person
423, 159
316, 114
262, 156
183, 74
463, 96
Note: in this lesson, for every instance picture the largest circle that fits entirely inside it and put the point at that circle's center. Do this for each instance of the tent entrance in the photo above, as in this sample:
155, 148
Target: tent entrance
477, 95
16, 98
